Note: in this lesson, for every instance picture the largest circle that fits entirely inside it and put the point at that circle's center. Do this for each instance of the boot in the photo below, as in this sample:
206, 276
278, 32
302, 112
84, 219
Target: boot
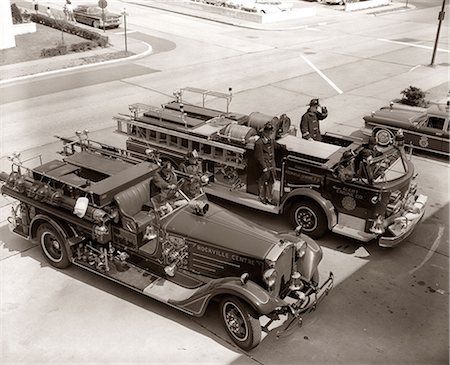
262, 193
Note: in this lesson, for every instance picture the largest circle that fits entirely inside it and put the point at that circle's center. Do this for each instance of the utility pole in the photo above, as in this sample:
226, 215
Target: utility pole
124, 13
440, 18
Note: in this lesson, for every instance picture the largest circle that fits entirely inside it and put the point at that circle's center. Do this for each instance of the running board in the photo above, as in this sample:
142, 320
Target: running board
353, 233
142, 281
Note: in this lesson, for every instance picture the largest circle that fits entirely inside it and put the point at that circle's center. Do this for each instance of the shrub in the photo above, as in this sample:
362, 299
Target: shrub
56, 51
67, 27
16, 15
82, 46
413, 96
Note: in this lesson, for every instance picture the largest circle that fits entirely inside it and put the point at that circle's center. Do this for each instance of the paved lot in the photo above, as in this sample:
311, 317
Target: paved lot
389, 306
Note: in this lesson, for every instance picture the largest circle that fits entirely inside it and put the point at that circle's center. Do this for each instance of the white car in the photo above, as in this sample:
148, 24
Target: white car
265, 6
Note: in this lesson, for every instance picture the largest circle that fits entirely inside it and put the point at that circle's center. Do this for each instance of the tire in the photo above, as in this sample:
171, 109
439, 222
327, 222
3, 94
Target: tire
53, 246
240, 322
96, 24
310, 216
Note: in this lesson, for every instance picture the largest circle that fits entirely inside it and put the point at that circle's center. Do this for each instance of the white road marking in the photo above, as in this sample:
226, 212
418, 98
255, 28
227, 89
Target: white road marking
412, 45
128, 32
413, 68
433, 248
313, 29
321, 74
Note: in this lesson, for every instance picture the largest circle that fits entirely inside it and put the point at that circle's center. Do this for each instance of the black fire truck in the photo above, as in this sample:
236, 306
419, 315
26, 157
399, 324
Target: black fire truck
340, 184
99, 209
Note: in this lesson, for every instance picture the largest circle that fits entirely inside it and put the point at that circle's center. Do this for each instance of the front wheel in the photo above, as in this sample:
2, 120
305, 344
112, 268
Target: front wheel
240, 322
310, 216
96, 24
53, 246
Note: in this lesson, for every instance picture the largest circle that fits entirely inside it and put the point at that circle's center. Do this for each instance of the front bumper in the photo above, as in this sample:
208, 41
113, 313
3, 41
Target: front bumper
405, 224
304, 305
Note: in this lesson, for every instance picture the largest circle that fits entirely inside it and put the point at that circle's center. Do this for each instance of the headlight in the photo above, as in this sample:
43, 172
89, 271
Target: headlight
270, 277
383, 137
300, 248
205, 179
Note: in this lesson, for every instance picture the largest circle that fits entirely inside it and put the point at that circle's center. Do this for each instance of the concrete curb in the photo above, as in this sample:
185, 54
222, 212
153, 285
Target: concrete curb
80, 67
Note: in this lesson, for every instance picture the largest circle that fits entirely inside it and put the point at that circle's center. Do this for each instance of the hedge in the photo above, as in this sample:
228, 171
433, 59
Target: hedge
56, 51
97, 39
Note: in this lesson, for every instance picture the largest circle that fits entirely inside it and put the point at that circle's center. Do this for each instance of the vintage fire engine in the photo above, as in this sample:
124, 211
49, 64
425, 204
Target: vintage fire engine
98, 208
342, 184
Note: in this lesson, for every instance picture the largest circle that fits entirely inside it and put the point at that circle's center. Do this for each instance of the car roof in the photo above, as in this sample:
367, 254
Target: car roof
401, 115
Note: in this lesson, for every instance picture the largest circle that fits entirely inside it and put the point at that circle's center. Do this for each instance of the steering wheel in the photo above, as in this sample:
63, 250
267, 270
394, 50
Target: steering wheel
171, 193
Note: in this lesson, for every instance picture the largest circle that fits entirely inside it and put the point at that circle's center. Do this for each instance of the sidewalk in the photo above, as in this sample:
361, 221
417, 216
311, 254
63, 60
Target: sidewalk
116, 52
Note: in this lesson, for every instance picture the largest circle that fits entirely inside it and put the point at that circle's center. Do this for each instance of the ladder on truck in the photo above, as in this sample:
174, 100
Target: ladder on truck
167, 131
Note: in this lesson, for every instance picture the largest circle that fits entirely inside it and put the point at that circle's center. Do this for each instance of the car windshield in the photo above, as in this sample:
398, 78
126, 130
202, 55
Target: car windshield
420, 121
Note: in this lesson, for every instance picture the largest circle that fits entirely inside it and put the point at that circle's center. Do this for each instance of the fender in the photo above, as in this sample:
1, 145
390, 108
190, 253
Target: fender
66, 231
308, 192
257, 297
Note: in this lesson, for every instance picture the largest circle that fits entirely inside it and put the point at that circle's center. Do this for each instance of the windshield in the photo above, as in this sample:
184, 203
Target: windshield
420, 121
390, 167
371, 165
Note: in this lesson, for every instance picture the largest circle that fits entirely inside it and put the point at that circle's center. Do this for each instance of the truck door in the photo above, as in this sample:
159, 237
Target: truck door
355, 198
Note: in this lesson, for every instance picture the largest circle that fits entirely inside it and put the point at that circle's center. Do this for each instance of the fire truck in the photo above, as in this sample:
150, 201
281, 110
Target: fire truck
361, 190
99, 208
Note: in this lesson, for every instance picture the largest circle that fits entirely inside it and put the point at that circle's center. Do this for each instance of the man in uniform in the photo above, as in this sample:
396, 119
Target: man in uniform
265, 156
192, 167
165, 179
309, 125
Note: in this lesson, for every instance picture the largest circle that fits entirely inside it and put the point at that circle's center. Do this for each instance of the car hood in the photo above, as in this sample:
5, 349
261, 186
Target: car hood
221, 228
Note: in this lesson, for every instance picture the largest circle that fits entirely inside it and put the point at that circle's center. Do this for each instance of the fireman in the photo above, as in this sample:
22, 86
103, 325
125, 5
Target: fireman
265, 156
191, 164
165, 178
346, 168
192, 167
309, 125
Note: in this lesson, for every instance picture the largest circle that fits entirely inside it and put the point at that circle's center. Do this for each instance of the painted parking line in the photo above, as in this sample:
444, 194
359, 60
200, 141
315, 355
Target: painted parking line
128, 32
322, 75
412, 45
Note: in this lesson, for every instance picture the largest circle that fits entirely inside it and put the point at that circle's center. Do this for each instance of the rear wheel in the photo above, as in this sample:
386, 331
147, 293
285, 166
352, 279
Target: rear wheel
240, 322
310, 216
53, 246
96, 24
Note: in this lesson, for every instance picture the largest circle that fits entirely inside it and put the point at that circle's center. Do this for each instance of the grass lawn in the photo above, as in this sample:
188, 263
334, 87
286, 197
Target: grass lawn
29, 46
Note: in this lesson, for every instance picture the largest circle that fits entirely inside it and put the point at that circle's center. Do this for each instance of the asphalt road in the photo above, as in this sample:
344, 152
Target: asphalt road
389, 306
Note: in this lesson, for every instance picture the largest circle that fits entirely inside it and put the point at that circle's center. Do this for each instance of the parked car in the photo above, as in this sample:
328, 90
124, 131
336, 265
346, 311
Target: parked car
265, 6
423, 128
93, 16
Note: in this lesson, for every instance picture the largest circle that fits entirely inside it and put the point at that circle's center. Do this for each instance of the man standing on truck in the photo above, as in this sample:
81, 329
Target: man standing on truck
265, 155
309, 125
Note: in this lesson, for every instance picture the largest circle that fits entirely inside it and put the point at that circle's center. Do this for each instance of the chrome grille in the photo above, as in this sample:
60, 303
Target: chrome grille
283, 267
